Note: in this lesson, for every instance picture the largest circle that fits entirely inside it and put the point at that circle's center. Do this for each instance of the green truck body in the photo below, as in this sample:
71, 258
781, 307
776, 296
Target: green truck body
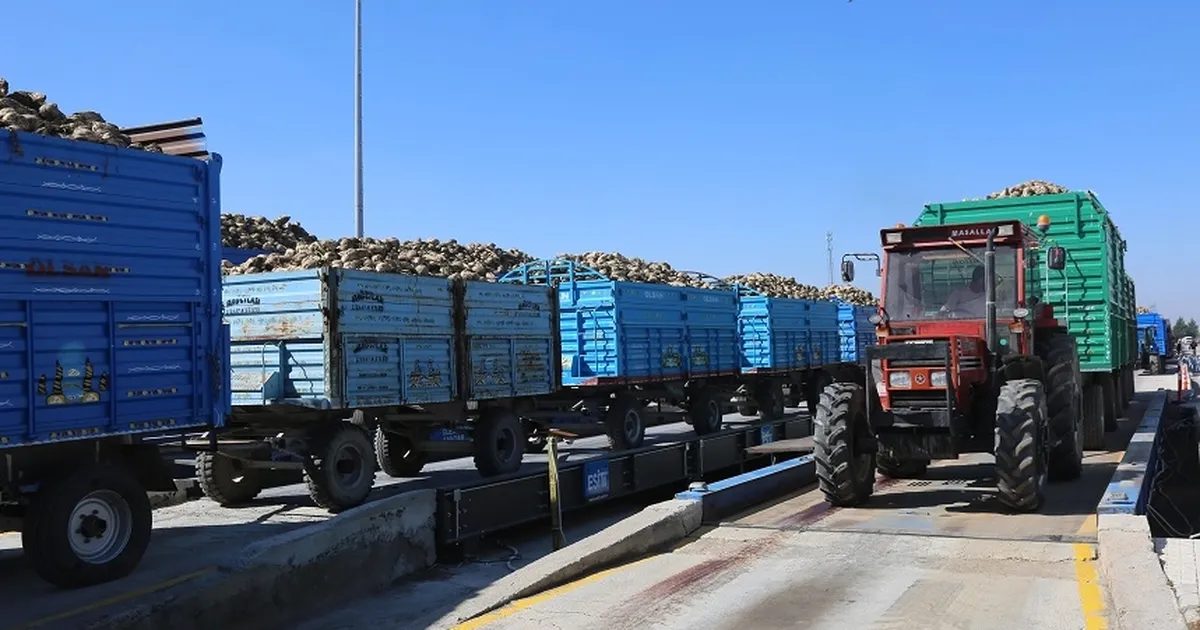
1093, 296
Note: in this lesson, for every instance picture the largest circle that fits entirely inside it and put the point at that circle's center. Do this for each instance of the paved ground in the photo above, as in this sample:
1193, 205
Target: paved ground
934, 553
191, 537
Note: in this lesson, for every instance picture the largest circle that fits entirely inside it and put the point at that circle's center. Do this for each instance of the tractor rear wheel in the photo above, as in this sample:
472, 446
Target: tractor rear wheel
1060, 357
845, 474
1020, 456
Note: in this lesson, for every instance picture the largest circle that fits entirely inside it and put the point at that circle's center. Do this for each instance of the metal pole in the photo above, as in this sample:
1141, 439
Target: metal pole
558, 538
358, 142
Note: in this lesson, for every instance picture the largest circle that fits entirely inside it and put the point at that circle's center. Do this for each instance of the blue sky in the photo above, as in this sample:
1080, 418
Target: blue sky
721, 136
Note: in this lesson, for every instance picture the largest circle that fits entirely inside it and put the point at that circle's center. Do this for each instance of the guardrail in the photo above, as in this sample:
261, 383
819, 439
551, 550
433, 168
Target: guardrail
490, 505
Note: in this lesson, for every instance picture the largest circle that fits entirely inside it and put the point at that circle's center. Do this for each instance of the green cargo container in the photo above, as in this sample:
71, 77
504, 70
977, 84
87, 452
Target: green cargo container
1093, 295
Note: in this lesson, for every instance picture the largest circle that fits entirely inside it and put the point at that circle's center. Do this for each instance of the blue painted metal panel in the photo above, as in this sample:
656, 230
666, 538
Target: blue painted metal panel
855, 330
511, 333
110, 318
824, 338
341, 338
712, 331
1155, 321
774, 333
1130, 486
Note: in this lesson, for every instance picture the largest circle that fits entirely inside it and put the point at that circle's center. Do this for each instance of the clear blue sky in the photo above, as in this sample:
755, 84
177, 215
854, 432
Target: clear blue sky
722, 136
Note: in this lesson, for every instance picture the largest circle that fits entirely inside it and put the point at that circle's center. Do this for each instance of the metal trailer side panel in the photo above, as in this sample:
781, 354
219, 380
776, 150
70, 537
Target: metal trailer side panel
1088, 295
855, 331
824, 337
510, 334
711, 317
341, 339
110, 318
614, 330
773, 333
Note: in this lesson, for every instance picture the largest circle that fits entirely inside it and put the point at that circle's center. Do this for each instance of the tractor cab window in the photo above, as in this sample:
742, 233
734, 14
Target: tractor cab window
947, 284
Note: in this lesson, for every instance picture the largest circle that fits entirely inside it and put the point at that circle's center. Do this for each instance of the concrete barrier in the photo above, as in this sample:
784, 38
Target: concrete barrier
654, 528
273, 582
1142, 598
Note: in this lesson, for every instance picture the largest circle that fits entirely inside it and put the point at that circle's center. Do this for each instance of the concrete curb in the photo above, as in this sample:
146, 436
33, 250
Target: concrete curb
653, 528
272, 581
1141, 595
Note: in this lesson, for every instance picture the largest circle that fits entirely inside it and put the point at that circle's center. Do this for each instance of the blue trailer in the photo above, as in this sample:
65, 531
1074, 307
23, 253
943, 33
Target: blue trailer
324, 361
1154, 342
855, 330
789, 341
110, 332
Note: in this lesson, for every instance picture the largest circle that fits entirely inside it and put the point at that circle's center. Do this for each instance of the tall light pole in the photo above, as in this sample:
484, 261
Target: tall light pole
358, 142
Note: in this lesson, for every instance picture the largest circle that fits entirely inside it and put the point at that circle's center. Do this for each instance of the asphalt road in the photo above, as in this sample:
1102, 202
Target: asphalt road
931, 553
193, 536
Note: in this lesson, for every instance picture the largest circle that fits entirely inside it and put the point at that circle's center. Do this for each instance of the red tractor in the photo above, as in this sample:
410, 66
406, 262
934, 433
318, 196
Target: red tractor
969, 359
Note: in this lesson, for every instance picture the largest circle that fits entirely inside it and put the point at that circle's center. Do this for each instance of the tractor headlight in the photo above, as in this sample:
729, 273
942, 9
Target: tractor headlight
938, 378
899, 379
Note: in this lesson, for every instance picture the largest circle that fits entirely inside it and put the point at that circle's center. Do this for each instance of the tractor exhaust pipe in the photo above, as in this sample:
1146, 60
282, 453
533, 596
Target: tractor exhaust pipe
989, 294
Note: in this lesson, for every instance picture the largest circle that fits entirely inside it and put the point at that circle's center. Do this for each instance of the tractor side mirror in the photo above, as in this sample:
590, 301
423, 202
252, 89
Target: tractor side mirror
847, 271
1056, 258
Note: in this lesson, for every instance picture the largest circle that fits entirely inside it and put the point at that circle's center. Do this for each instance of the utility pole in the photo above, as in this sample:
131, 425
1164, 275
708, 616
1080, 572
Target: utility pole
829, 254
358, 141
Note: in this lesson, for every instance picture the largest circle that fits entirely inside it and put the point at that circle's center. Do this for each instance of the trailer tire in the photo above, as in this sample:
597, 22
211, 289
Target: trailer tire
1093, 417
396, 456
499, 443
225, 480
339, 470
1060, 360
625, 424
845, 476
1111, 402
1021, 471
108, 501
704, 412
907, 469
747, 410
768, 397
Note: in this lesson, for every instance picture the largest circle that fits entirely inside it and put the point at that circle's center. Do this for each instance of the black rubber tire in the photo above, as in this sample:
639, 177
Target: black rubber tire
340, 470
48, 521
909, 469
499, 443
1156, 364
396, 456
1093, 417
768, 397
224, 480
625, 424
1111, 401
747, 410
821, 380
1062, 384
1021, 472
845, 477
704, 411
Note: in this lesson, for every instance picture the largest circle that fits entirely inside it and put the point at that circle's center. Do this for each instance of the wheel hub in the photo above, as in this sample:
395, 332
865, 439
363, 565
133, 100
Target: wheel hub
505, 444
349, 465
100, 527
632, 425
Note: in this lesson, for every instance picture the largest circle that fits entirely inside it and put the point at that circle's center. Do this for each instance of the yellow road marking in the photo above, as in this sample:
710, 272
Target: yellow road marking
1091, 597
116, 599
533, 600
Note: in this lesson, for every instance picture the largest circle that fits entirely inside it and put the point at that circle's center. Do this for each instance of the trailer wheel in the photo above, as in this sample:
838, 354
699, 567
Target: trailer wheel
704, 411
906, 469
339, 471
1060, 357
1111, 403
499, 443
1093, 417
768, 397
1019, 449
747, 410
396, 456
88, 528
625, 424
845, 470
227, 480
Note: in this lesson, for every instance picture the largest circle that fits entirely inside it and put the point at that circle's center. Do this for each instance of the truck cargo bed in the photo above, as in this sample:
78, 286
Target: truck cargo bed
855, 331
110, 319
782, 334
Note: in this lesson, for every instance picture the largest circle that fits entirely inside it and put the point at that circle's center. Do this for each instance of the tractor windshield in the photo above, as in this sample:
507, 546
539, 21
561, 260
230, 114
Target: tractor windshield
924, 284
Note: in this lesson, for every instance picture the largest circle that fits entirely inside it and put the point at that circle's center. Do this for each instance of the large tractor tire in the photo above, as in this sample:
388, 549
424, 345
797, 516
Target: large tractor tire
845, 475
1021, 470
1062, 384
